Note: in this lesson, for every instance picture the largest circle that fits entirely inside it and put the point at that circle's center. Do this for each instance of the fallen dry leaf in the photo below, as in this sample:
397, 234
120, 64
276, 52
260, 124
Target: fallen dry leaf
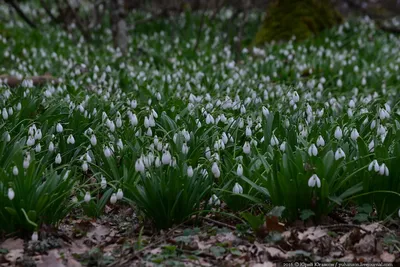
312, 233
387, 257
367, 245
12, 243
13, 255
53, 259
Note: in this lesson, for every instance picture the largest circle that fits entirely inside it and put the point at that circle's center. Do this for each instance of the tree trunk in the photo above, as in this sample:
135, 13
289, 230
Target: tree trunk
301, 19
118, 25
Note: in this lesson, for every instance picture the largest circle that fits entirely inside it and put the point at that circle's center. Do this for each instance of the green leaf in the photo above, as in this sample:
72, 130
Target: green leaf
306, 214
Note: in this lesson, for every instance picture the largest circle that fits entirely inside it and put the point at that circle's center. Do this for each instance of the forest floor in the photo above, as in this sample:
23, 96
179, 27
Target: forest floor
117, 239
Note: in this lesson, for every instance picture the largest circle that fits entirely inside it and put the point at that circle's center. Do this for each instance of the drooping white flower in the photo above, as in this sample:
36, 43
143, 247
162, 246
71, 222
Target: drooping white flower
93, 140
87, 197
30, 141
139, 164
239, 170
274, 141
354, 134
320, 141
383, 170
71, 139
85, 166
338, 133
113, 198
237, 189
38, 148
166, 158
190, 171
185, 148
59, 128
120, 194
10, 194
58, 159
248, 131
215, 170
371, 146
246, 147
339, 154
4, 114
35, 237
214, 201
207, 153
15, 170
383, 114
282, 147
373, 166
312, 150
314, 181
51, 147
107, 152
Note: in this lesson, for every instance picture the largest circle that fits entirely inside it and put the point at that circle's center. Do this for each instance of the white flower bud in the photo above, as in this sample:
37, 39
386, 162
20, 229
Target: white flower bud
59, 128
237, 189
246, 147
354, 134
11, 194
58, 159
314, 181
120, 194
312, 150
15, 170
35, 237
85, 166
320, 141
215, 170
166, 158
71, 139
214, 201
338, 133
51, 146
93, 140
239, 170
339, 154
113, 198
107, 152
139, 165
87, 197
190, 171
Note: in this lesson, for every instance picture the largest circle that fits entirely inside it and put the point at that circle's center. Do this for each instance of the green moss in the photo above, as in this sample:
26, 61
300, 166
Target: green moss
300, 18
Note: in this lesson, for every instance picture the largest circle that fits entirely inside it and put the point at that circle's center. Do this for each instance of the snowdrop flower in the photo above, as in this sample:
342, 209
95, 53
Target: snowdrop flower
120, 194
208, 153
107, 152
314, 181
87, 197
30, 141
338, 133
371, 146
312, 150
239, 170
383, 170
4, 114
265, 111
10, 194
93, 140
354, 134
113, 198
139, 164
373, 166
224, 138
185, 148
190, 171
282, 147
38, 148
38, 134
58, 159
7, 136
320, 141
246, 147
339, 83
352, 104
15, 170
157, 162
35, 237
215, 170
274, 141
214, 201
71, 139
248, 131
237, 189
85, 166
339, 154
383, 114
27, 161
59, 128
51, 146
373, 124
166, 158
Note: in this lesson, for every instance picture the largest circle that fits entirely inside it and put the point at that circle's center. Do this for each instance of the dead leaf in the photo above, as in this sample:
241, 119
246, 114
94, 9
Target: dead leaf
14, 254
73, 263
12, 243
272, 224
312, 233
53, 259
274, 253
387, 257
367, 245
